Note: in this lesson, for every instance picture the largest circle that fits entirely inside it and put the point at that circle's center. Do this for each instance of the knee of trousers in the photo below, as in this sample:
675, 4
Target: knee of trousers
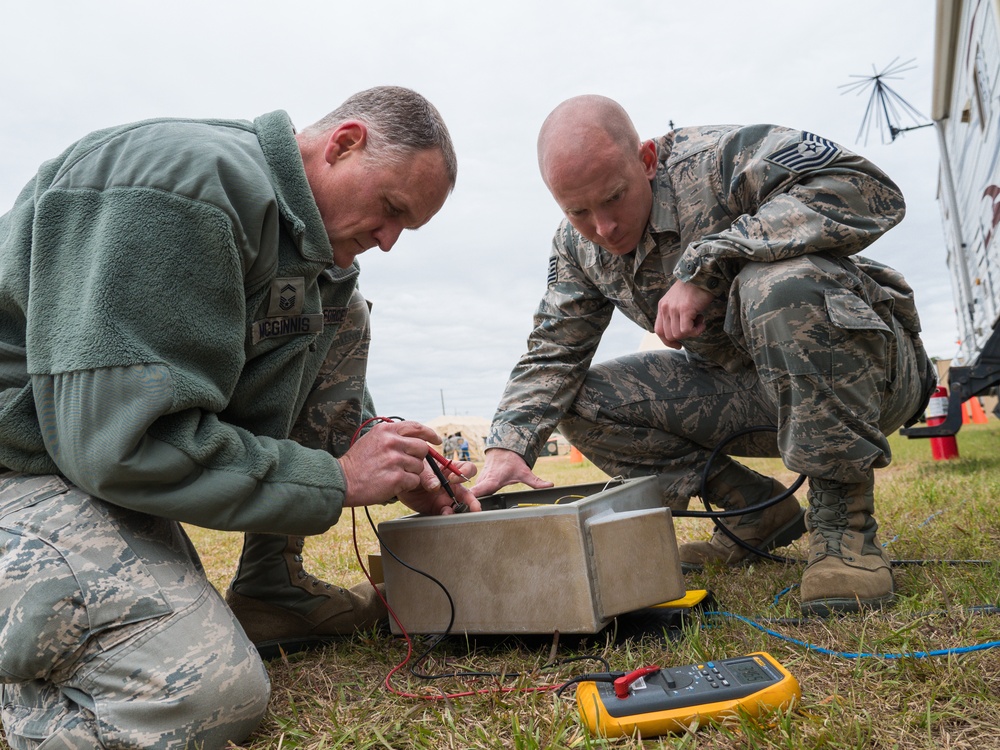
764, 289
213, 690
164, 684
573, 425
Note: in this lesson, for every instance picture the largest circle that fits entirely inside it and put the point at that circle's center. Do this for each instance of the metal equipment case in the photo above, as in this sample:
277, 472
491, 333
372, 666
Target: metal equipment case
565, 559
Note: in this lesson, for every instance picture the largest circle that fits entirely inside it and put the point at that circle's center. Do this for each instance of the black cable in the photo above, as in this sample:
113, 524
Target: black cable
428, 576
451, 621
716, 515
905, 563
456, 505
592, 677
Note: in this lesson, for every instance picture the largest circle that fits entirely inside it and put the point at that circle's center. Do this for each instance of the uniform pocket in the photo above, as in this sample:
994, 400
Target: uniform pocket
66, 575
32, 710
873, 341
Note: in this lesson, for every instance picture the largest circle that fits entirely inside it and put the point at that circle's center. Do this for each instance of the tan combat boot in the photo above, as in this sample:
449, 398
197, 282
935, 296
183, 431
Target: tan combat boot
734, 487
281, 606
847, 569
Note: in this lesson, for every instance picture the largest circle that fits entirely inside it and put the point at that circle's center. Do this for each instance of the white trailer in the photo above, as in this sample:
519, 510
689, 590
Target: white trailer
965, 109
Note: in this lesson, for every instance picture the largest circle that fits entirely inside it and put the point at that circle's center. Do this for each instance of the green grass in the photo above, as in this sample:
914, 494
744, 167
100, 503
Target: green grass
335, 698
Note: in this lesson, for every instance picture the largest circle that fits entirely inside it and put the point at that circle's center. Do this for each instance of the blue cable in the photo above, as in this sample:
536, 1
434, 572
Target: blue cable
781, 593
847, 654
850, 655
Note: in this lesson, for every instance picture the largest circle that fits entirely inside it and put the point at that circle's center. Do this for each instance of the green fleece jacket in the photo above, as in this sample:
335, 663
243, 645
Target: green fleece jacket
167, 296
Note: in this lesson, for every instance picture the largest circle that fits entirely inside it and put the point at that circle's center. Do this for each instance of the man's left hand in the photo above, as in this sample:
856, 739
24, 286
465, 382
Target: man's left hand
678, 315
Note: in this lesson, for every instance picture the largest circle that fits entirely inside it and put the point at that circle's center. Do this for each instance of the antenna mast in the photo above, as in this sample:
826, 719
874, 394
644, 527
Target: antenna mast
886, 108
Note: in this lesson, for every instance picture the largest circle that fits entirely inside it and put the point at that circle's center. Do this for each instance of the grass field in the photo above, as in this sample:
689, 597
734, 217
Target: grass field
928, 510
936, 510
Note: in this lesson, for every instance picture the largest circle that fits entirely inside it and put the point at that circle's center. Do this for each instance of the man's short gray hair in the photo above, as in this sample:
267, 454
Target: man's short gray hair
400, 121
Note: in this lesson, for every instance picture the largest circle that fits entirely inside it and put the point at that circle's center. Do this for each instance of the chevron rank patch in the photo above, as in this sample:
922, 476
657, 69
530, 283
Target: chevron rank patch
553, 270
812, 152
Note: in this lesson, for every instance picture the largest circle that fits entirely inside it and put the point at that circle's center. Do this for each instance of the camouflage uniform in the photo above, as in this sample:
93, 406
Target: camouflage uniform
804, 335
112, 636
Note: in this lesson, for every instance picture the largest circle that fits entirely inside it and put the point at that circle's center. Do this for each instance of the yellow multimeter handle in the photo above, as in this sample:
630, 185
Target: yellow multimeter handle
702, 704
690, 599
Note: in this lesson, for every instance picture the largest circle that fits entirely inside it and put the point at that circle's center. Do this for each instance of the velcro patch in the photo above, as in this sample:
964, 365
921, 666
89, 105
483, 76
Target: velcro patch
287, 296
553, 270
812, 152
291, 325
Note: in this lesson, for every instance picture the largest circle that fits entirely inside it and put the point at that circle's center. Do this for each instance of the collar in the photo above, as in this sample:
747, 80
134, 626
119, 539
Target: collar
663, 214
296, 203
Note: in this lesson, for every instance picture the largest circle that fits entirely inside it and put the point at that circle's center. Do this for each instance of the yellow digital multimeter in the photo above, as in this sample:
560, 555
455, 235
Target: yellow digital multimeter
655, 701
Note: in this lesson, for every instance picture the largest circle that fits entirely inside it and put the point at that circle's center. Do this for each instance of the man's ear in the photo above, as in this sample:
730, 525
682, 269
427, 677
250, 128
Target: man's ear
647, 155
347, 137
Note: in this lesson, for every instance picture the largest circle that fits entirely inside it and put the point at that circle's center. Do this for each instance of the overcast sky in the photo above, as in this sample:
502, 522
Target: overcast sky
453, 302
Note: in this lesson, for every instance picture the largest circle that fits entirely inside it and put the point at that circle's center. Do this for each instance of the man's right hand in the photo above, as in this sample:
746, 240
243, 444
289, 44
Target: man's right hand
503, 468
389, 461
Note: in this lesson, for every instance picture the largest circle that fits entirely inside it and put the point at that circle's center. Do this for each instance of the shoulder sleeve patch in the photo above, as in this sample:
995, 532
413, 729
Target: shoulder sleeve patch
553, 270
811, 152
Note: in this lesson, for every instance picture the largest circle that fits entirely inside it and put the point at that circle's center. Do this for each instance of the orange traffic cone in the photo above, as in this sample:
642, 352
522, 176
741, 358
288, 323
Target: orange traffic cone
575, 457
978, 415
965, 413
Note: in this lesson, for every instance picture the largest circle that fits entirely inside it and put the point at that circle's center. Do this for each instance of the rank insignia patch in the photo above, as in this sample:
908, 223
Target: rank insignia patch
553, 270
287, 295
812, 152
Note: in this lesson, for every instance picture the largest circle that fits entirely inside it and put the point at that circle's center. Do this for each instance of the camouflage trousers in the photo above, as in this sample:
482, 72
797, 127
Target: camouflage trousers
110, 633
828, 366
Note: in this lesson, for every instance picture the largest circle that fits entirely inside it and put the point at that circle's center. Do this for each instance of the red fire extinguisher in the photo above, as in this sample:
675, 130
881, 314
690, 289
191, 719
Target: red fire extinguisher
937, 409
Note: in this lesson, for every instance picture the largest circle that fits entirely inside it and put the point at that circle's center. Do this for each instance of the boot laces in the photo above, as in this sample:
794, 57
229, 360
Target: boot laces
829, 523
302, 575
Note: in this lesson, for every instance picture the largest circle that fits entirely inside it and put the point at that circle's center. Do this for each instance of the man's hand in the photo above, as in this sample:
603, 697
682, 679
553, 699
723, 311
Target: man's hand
435, 501
391, 461
678, 315
505, 467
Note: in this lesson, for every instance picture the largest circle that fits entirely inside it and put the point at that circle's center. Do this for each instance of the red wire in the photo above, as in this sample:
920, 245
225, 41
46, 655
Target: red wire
409, 645
409, 642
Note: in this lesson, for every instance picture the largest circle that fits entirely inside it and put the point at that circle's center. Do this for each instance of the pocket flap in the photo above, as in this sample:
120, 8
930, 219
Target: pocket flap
848, 311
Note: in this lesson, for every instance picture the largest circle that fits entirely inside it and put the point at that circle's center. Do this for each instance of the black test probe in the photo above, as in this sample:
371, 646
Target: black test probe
456, 504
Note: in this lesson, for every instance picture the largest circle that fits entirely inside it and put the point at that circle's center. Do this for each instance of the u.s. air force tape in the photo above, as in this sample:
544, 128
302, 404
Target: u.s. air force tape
812, 152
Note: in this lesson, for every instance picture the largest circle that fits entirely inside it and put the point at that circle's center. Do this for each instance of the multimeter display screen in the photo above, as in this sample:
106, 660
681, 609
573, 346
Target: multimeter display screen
747, 672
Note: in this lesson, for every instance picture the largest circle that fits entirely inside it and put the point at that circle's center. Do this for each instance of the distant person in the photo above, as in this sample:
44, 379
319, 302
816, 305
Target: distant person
451, 446
182, 339
739, 243
463, 447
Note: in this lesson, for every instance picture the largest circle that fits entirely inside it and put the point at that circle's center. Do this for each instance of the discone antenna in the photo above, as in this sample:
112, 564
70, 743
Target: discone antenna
886, 109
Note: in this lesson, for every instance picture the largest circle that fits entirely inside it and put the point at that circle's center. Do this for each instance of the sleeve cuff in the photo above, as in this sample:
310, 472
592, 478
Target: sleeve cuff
512, 438
700, 272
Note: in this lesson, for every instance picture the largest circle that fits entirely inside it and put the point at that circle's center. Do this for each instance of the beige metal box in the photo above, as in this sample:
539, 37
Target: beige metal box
565, 559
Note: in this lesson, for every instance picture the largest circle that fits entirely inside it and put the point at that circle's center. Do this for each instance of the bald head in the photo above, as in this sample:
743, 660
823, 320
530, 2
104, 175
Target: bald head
597, 170
577, 123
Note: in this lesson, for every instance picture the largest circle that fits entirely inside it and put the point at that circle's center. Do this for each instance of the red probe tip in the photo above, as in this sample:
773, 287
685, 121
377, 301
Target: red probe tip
446, 463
